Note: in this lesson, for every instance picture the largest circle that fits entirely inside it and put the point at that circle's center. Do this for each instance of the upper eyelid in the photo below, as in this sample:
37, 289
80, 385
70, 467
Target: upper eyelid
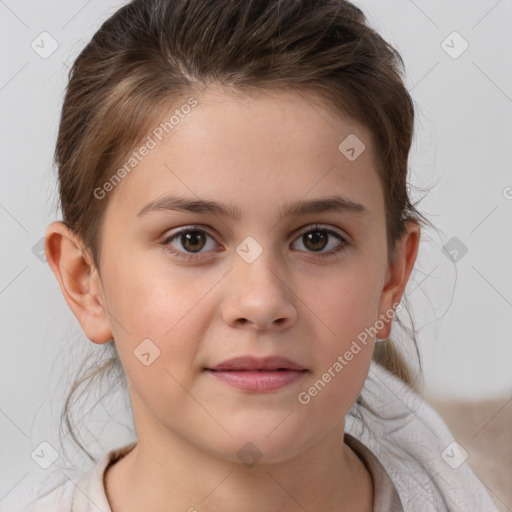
318, 225
298, 232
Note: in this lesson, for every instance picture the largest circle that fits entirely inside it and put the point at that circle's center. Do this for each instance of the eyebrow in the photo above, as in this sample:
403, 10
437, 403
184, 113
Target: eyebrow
326, 204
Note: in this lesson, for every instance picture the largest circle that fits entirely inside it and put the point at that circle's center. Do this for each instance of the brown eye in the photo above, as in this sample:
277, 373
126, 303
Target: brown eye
189, 242
316, 239
193, 241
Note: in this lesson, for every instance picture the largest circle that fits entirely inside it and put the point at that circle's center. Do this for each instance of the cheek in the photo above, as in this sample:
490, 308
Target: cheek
160, 352
152, 298
345, 309
345, 305
156, 314
341, 367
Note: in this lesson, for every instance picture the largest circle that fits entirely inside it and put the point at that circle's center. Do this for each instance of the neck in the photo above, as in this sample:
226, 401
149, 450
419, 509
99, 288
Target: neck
176, 476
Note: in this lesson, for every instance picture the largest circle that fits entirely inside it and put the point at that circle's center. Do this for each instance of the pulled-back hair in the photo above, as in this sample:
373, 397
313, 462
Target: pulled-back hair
151, 55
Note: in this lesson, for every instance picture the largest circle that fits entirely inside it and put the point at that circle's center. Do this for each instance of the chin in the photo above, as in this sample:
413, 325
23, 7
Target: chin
263, 446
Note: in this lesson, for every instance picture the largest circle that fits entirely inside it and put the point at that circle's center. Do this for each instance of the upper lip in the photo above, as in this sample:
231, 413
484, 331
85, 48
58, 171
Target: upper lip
257, 363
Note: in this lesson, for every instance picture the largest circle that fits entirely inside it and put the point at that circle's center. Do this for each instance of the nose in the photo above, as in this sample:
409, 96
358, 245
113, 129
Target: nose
258, 297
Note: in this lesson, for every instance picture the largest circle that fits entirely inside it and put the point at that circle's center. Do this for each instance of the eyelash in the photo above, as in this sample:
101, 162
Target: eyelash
315, 227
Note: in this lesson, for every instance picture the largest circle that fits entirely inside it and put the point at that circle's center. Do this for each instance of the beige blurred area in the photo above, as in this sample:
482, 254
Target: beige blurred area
484, 430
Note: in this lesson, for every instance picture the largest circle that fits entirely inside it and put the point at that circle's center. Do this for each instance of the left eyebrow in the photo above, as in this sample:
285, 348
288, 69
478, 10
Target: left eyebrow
336, 204
326, 204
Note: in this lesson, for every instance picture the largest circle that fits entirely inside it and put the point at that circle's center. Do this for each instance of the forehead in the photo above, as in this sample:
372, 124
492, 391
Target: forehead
267, 147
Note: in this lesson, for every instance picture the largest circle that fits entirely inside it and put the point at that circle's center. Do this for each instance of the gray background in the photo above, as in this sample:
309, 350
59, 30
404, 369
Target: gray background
461, 153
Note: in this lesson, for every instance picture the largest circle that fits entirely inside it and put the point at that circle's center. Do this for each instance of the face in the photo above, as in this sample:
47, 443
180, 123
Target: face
188, 290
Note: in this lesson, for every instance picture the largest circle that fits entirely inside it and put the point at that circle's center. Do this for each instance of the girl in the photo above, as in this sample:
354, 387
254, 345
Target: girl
237, 228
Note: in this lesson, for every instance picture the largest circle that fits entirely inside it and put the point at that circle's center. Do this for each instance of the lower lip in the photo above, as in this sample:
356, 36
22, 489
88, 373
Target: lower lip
258, 381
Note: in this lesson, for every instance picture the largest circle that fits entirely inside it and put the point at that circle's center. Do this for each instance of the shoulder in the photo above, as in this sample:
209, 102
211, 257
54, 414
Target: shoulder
427, 466
77, 497
59, 499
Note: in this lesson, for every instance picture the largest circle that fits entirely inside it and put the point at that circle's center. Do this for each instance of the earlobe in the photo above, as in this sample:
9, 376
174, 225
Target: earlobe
398, 274
78, 280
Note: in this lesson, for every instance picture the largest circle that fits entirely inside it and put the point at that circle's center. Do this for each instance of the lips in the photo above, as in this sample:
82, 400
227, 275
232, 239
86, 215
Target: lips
258, 375
250, 363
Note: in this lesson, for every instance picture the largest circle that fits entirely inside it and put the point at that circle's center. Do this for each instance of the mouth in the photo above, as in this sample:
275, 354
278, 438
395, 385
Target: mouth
258, 381
257, 375
251, 363
256, 370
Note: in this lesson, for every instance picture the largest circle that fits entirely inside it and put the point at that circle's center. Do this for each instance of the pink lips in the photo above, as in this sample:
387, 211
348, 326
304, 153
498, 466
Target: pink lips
257, 374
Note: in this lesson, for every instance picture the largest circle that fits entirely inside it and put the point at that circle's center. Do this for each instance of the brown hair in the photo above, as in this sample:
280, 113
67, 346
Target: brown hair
152, 54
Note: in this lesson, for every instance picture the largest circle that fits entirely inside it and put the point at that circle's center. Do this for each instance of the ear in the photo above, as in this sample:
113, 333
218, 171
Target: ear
79, 280
398, 274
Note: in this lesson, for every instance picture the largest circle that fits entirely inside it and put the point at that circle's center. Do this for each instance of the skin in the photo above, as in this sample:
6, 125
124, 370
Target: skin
258, 153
